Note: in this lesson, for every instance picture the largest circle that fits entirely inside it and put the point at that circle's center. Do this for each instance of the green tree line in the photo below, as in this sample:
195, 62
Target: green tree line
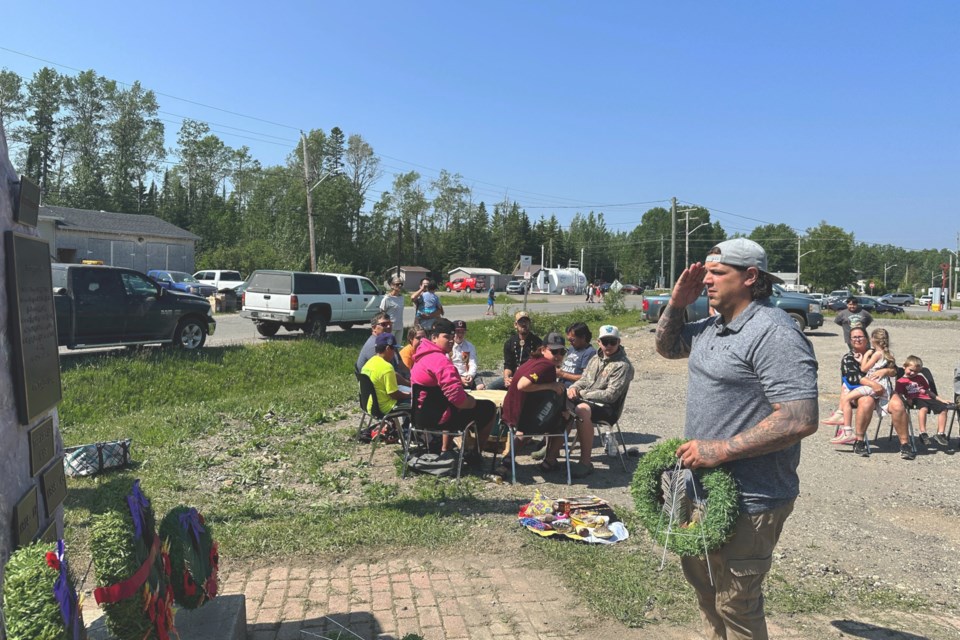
92, 143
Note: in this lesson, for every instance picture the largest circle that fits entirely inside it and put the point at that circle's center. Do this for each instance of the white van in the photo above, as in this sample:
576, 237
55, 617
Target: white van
220, 279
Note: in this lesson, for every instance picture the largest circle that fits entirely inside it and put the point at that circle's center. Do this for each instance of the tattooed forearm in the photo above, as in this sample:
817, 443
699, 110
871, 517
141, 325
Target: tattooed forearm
669, 342
789, 423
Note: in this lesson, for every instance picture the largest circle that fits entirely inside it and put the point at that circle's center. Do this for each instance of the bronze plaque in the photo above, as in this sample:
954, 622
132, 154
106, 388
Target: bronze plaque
50, 533
42, 446
54, 484
33, 326
26, 207
26, 518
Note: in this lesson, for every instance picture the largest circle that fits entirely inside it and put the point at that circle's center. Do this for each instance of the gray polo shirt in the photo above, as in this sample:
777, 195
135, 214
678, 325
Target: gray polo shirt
736, 372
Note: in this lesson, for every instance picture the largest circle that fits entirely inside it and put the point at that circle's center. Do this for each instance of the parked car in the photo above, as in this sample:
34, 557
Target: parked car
632, 289
879, 306
902, 299
181, 281
516, 287
466, 284
220, 279
803, 309
926, 299
99, 306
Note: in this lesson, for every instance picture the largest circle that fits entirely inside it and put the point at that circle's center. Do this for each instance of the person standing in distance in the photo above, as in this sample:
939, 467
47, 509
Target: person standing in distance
751, 399
851, 317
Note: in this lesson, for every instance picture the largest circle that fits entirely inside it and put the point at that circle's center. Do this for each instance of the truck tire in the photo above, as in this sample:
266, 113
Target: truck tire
799, 320
268, 329
469, 289
190, 335
316, 327
346, 326
448, 289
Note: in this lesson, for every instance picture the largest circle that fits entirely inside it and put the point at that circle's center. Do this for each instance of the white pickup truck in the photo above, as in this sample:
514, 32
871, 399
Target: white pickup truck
308, 301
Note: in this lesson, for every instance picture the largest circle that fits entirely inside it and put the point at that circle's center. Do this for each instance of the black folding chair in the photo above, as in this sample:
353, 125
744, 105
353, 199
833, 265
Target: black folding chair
425, 419
614, 421
368, 396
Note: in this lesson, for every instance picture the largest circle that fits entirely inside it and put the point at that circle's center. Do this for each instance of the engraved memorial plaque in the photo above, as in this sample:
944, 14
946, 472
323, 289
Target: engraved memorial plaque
26, 518
26, 207
33, 326
50, 533
54, 484
42, 446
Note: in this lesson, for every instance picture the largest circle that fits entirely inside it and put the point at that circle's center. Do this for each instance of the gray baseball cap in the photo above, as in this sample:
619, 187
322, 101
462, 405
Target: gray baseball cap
741, 252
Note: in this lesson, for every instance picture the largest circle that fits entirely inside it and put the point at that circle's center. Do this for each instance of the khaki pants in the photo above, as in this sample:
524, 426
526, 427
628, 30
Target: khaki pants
732, 608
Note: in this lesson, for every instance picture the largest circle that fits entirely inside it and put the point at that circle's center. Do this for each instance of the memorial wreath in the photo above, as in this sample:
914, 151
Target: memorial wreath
39, 598
709, 528
194, 560
134, 565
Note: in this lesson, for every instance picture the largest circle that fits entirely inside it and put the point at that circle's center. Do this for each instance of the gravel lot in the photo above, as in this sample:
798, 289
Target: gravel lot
893, 522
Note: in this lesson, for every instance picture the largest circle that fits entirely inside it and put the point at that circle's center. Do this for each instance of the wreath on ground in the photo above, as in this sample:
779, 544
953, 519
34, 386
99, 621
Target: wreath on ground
194, 559
721, 494
39, 597
134, 566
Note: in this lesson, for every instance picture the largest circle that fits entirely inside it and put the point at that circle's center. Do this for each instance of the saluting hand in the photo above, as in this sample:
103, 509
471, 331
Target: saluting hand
689, 285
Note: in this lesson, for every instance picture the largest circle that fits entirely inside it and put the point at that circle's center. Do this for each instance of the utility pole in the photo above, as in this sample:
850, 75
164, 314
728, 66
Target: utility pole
306, 182
800, 255
687, 232
551, 252
399, 244
581, 261
661, 262
673, 241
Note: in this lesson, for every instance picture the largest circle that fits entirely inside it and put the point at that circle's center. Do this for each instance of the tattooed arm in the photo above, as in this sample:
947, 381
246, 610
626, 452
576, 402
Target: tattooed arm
687, 289
789, 423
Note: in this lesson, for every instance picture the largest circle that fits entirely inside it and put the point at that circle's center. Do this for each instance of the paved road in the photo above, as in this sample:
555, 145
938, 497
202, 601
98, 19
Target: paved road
234, 329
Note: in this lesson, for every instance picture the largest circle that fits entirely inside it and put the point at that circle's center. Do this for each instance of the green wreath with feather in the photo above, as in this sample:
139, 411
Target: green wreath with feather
194, 558
721, 494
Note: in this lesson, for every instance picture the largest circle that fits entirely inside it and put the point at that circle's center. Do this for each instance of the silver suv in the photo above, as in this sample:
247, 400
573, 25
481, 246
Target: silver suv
902, 299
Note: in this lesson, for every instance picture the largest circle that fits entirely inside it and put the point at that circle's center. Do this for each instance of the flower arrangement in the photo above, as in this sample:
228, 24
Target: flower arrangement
39, 598
722, 503
134, 567
194, 559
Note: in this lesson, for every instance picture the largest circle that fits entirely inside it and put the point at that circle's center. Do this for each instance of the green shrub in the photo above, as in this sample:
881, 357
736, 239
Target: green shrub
613, 302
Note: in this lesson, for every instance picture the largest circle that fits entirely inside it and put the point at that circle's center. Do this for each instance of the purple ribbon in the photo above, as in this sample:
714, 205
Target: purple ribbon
190, 521
138, 504
64, 594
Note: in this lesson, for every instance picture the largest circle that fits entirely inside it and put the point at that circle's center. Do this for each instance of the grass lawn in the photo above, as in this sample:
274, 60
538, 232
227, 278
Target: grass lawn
257, 438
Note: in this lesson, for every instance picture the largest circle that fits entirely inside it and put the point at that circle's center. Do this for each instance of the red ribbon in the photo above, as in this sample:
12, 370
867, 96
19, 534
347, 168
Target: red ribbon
126, 588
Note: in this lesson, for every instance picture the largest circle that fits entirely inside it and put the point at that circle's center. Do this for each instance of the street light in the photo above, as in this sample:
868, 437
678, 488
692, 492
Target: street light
686, 254
800, 255
885, 269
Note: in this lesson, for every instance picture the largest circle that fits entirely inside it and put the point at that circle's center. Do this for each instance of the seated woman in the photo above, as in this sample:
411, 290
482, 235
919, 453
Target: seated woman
535, 400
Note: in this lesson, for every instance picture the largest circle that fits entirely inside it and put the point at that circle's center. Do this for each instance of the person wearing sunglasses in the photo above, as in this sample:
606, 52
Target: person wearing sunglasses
593, 396
751, 399
381, 323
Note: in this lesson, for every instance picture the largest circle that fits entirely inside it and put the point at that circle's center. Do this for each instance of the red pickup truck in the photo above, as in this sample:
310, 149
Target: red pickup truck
466, 284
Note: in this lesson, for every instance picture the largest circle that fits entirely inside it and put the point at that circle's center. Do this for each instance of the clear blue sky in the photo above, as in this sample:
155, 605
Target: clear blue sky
761, 111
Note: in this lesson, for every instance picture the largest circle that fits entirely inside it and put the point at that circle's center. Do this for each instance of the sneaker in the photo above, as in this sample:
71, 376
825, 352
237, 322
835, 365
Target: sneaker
941, 439
540, 453
925, 439
844, 437
906, 452
860, 448
836, 418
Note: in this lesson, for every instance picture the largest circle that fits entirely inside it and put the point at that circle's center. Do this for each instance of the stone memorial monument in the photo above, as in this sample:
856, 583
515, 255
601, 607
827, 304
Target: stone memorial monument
32, 482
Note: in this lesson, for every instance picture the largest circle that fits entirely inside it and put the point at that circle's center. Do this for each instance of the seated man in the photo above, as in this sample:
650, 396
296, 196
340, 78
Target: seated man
433, 370
516, 350
383, 376
381, 323
602, 385
464, 356
578, 355
538, 374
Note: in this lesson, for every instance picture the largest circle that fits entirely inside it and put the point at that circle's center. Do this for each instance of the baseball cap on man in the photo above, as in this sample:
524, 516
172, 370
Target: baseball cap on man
741, 252
460, 324
609, 331
554, 341
520, 315
386, 340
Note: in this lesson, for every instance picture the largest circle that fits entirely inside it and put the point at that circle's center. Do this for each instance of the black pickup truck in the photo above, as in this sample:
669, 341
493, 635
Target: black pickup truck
100, 306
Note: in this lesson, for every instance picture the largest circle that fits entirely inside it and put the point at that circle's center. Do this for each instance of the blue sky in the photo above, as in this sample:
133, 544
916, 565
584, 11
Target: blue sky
761, 111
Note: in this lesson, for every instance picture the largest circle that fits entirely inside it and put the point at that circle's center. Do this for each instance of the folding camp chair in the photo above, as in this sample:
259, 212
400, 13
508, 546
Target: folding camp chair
368, 397
425, 419
614, 421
